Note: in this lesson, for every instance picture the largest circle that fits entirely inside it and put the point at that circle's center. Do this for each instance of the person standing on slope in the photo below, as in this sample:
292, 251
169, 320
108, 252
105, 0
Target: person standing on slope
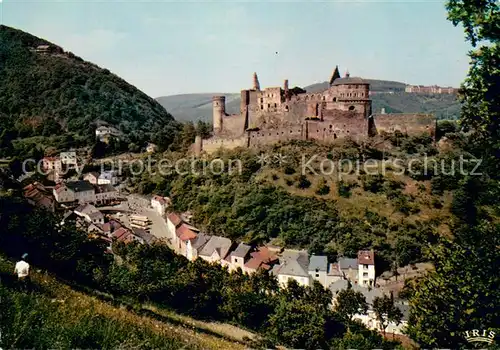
23, 270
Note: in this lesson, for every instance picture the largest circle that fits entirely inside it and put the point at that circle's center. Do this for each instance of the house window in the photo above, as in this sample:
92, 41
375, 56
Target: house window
317, 275
365, 274
365, 266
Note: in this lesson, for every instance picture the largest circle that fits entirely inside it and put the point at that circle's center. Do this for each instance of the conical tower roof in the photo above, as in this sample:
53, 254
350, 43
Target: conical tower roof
335, 75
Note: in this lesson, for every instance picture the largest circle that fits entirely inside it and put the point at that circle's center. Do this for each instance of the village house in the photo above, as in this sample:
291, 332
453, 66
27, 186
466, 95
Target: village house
160, 204
91, 177
348, 268
74, 191
123, 235
216, 249
51, 164
37, 195
366, 268
108, 178
194, 246
105, 193
369, 319
90, 213
102, 133
69, 159
143, 236
293, 266
184, 233
151, 148
263, 258
318, 269
237, 258
173, 221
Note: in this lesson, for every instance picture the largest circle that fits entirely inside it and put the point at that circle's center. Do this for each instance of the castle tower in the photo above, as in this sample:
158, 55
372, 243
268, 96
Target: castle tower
256, 85
287, 92
219, 111
335, 75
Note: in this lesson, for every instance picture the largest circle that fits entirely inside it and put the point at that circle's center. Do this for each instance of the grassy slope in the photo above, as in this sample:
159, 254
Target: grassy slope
76, 308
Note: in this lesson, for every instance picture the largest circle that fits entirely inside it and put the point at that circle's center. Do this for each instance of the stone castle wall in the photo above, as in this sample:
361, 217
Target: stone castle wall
279, 114
410, 124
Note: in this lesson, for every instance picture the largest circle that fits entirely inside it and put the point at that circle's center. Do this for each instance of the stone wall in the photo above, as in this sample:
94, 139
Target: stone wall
410, 124
215, 143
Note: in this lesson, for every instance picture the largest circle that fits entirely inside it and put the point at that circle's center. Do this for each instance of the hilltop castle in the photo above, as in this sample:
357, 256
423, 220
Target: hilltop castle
280, 113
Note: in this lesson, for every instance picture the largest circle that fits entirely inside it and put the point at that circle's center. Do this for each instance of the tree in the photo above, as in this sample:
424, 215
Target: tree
479, 92
461, 294
386, 311
349, 303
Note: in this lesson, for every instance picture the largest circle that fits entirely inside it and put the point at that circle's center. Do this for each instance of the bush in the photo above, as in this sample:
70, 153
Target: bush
303, 182
322, 187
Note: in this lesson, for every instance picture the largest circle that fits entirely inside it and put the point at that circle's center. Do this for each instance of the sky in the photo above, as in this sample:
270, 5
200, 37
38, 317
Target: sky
173, 47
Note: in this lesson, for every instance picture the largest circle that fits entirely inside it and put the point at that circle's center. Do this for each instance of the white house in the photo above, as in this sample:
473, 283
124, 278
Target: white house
194, 246
69, 159
366, 268
173, 221
108, 178
90, 214
293, 266
91, 177
216, 249
318, 269
103, 131
151, 148
160, 204
237, 258
105, 193
80, 191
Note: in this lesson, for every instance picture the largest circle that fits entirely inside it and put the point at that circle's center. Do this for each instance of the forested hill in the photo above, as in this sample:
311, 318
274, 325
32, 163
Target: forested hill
54, 92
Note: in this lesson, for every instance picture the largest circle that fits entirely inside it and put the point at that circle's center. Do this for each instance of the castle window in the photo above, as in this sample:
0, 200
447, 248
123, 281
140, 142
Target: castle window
275, 105
334, 135
331, 126
262, 107
269, 134
351, 108
268, 105
290, 131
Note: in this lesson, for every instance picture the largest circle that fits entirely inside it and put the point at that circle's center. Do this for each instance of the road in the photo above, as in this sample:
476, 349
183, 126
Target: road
141, 206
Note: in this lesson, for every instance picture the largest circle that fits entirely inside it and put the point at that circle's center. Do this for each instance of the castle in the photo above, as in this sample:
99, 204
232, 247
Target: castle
280, 114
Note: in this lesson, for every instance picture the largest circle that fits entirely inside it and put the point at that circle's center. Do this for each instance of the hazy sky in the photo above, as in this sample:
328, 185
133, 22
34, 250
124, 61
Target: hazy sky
167, 48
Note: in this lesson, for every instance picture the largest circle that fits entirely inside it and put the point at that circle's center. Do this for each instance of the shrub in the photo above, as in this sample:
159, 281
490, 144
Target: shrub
303, 182
322, 187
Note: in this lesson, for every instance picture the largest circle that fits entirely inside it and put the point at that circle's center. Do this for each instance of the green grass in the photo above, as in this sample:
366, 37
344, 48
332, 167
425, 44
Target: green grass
53, 315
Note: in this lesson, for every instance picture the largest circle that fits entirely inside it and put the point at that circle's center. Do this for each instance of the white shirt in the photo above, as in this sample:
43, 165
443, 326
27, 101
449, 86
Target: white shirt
22, 268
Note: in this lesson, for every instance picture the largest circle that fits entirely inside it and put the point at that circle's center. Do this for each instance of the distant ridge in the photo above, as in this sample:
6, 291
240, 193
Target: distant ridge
387, 94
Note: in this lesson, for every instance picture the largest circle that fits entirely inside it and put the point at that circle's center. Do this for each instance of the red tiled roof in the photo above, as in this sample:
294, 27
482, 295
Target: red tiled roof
185, 233
366, 257
106, 227
118, 234
174, 219
261, 258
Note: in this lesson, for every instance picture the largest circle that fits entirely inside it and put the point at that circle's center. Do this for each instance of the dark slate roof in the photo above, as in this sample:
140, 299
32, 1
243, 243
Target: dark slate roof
241, 251
293, 263
200, 241
350, 81
146, 236
319, 262
79, 186
346, 263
